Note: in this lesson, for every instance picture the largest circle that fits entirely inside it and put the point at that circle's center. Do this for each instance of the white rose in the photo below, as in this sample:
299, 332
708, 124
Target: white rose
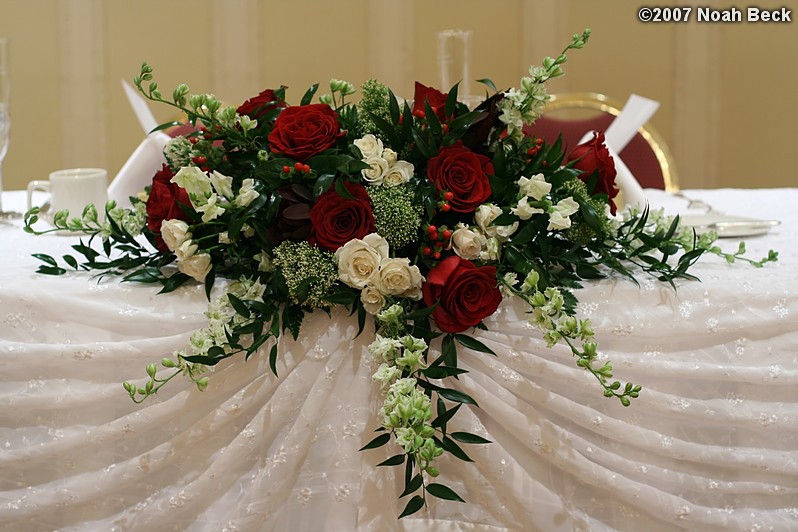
524, 210
358, 260
396, 277
467, 243
378, 167
174, 232
536, 186
197, 266
398, 173
369, 146
372, 299
186, 249
389, 155
484, 216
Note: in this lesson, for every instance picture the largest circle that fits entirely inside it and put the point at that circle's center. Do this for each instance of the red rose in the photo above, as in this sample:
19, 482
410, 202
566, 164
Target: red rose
594, 157
465, 294
336, 220
260, 105
304, 131
436, 99
164, 204
462, 172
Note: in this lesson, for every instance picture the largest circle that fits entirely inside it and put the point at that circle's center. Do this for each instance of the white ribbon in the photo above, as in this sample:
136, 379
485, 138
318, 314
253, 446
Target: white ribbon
146, 159
637, 111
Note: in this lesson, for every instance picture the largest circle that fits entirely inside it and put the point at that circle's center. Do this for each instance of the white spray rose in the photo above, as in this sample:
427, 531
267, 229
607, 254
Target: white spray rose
358, 260
373, 301
197, 266
376, 171
484, 216
396, 277
369, 146
398, 173
389, 155
467, 243
174, 232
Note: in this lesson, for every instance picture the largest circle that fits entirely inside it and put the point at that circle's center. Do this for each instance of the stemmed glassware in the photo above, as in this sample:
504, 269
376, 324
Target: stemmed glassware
5, 120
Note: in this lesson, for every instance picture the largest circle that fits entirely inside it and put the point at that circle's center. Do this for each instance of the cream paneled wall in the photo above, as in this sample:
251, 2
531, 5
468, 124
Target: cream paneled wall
727, 91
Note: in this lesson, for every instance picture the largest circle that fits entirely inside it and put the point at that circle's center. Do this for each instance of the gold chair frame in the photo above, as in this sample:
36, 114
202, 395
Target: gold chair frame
600, 102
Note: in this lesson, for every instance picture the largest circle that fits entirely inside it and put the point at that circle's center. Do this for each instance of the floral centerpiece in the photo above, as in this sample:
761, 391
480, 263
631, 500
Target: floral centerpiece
423, 215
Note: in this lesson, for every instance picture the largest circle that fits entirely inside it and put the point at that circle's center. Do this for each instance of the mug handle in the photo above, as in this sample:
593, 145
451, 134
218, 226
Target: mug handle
44, 186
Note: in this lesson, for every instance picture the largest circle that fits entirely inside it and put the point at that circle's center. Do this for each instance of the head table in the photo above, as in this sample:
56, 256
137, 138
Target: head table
711, 444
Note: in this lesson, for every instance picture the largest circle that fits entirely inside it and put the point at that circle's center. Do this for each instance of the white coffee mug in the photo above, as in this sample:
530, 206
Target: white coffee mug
73, 189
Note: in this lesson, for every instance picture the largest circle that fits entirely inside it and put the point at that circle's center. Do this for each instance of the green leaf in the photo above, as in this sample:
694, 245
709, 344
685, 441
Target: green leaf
443, 492
393, 106
51, 270
379, 441
449, 350
457, 396
467, 437
322, 184
273, 359
238, 306
473, 344
451, 101
488, 83
309, 94
455, 449
393, 461
413, 485
415, 504
46, 258
444, 417
441, 372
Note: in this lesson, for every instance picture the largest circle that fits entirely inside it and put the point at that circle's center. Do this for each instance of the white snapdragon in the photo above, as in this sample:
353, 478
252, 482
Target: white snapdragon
358, 260
195, 182
246, 194
222, 184
524, 210
174, 233
265, 263
536, 186
559, 215
492, 250
211, 209
386, 374
384, 349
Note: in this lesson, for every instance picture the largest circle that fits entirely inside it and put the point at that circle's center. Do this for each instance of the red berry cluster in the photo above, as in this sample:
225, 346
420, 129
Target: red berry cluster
444, 205
202, 162
437, 239
298, 168
531, 152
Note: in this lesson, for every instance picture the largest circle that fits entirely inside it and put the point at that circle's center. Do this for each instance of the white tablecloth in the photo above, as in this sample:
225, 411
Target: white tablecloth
711, 444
